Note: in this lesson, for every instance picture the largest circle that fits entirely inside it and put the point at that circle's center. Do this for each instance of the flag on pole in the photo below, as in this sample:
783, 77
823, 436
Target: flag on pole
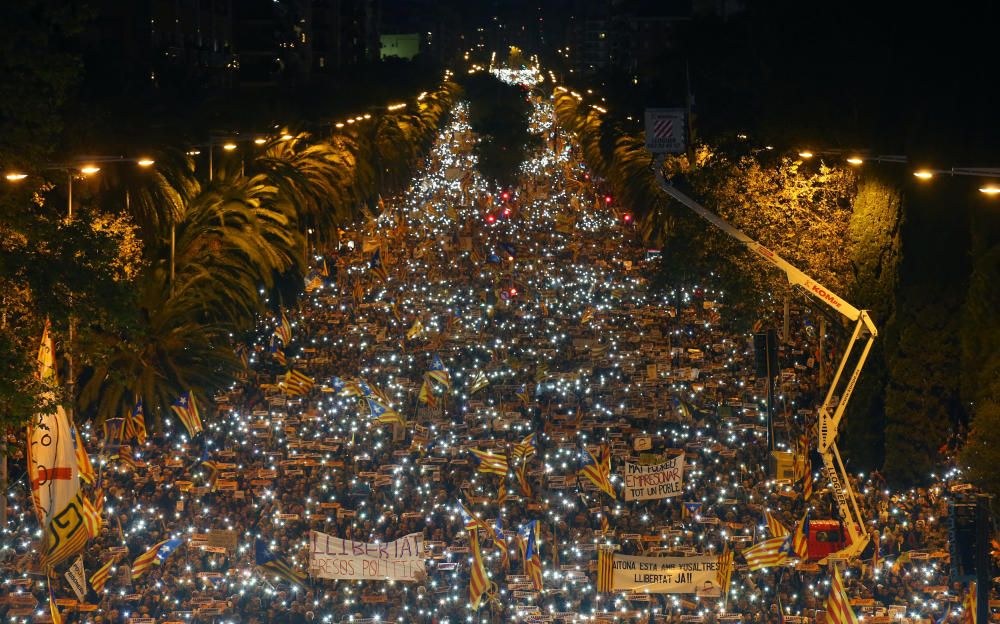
53, 609
522, 479
970, 605
83, 465
524, 395
415, 329
297, 383
478, 579
439, 373
838, 605
99, 578
598, 470
529, 554
769, 553
383, 413
426, 396
186, 408
284, 330
690, 510
479, 381
144, 561
526, 447
137, 423
377, 268
799, 544
268, 562
725, 571
774, 526
489, 463
501, 542
605, 570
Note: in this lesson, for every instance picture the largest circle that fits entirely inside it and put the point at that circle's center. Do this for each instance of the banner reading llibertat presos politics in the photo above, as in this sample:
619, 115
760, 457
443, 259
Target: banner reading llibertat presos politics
648, 482
333, 557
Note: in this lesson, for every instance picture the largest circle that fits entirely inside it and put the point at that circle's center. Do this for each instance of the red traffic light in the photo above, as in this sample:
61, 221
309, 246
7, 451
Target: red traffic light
607, 199
506, 212
627, 217
505, 196
491, 218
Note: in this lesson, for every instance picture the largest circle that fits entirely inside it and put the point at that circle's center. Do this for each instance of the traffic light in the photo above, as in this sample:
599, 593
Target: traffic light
491, 218
962, 539
607, 199
627, 218
505, 196
765, 353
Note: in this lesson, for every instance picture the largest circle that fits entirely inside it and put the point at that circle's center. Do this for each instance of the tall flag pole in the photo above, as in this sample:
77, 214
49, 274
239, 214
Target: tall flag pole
186, 408
838, 605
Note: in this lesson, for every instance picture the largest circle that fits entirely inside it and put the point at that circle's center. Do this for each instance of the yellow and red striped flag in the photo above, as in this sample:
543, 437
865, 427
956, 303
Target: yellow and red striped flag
767, 554
83, 465
186, 408
426, 396
774, 526
725, 571
838, 605
99, 578
478, 580
297, 383
144, 561
800, 541
605, 570
489, 463
522, 479
969, 605
598, 470
135, 424
91, 517
530, 557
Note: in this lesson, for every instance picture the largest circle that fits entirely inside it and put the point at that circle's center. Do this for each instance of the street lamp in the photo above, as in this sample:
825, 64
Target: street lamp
855, 160
15, 176
990, 189
923, 174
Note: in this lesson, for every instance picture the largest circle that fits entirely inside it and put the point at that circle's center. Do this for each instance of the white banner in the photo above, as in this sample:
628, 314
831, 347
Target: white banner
666, 575
654, 481
77, 578
336, 558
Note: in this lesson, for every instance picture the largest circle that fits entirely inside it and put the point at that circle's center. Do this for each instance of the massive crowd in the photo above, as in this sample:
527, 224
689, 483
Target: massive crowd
536, 300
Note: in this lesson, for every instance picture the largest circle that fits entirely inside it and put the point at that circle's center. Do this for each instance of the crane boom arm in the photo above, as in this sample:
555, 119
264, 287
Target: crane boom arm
795, 276
833, 467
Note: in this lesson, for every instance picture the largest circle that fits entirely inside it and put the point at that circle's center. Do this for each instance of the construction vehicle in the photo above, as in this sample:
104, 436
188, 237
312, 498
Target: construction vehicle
829, 416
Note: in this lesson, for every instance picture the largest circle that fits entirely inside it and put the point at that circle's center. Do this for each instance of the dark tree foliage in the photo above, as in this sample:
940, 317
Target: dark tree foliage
923, 356
874, 243
498, 113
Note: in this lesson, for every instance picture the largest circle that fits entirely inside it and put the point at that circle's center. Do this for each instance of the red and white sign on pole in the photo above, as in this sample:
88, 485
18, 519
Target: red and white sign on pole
665, 130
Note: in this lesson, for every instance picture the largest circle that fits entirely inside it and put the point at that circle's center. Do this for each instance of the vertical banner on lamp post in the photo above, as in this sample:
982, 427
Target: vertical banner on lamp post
665, 131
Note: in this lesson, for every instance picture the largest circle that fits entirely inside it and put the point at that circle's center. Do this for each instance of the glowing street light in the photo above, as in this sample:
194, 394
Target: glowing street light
855, 160
805, 154
260, 141
229, 146
923, 174
15, 176
145, 162
990, 189
89, 169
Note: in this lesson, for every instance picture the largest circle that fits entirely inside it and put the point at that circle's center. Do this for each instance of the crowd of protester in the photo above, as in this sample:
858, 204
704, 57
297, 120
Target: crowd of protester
537, 302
